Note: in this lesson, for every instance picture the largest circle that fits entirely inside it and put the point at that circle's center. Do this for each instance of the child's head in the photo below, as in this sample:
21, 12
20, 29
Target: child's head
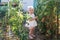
30, 9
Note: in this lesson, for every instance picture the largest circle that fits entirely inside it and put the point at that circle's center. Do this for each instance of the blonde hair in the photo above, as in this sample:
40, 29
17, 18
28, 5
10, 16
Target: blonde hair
30, 7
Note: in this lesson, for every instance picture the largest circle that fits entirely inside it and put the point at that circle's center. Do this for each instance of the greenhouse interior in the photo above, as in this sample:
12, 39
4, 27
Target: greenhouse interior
16, 14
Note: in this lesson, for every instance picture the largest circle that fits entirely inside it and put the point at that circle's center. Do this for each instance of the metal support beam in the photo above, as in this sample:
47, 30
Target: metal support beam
0, 1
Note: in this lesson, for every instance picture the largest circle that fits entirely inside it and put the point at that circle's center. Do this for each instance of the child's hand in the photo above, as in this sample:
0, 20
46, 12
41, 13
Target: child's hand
31, 19
36, 17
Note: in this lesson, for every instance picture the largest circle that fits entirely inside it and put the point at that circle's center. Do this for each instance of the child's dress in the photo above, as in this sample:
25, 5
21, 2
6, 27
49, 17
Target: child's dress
32, 23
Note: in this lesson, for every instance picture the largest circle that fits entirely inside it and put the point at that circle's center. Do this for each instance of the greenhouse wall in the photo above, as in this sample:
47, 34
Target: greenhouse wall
27, 3
4, 0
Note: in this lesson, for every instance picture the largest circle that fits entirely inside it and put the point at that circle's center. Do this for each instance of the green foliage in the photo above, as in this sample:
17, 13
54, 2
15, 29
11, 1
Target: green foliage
15, 20
3, 10
46, 10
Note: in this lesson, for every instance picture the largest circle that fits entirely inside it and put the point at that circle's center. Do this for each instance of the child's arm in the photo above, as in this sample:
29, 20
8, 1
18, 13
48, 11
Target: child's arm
36, 18
33, 18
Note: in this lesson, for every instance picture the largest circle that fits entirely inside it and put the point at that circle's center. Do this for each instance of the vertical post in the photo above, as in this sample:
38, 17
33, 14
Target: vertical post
8, 19
8, 9
8, 16
57, 3
35, 3
19, 7
0, 1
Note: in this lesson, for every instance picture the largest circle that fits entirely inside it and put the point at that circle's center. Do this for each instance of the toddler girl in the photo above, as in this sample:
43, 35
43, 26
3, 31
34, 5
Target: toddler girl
31, 22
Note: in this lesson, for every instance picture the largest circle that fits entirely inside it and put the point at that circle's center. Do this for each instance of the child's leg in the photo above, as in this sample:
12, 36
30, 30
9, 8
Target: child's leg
31, 32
